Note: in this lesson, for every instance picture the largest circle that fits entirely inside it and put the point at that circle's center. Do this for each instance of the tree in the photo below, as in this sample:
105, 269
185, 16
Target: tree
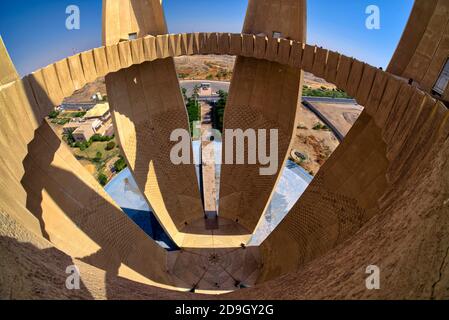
219, 110
120, 164
184, 93
70, 138
194, 111
103, 179
110, 145
324, 92
196, 92
99, 138
82, 145
54, 114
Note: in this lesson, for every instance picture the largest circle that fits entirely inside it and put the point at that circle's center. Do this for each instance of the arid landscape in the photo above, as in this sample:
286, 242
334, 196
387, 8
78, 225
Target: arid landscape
220, 68
315, 144
205, 67
193, 68
314, 139
342, 115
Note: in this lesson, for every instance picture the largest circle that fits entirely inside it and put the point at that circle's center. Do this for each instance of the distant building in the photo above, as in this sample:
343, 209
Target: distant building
109, 132
97, 97
100, 111
96, 125
78, 122
84, 132
206, 89
205, 86
70, 127
77, 106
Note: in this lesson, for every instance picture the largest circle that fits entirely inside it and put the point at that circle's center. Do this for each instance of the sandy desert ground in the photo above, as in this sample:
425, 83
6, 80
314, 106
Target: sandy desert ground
342, 115
220, 68
208, 67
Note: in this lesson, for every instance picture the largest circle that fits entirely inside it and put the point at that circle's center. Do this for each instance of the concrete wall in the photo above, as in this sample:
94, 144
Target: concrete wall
424, 47
407, 240
147, 106
32, 268
123, 17
387, 148
381, 199
8, 72
45, 189
262, 95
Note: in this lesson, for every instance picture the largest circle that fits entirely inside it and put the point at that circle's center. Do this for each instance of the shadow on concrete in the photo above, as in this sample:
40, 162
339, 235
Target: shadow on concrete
153, 124
90, 211
40, 274
84, 204
37, 273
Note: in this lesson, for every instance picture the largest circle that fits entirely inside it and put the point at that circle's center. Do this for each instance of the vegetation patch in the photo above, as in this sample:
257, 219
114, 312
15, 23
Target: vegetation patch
324, 92
219, 110
120, 164
320, 126
193, 106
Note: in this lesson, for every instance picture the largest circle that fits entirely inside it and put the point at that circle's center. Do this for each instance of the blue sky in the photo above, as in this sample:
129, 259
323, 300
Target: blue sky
35, 34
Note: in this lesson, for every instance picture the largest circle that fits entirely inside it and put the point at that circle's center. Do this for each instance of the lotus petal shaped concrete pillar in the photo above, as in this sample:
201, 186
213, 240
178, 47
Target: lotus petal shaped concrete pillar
263, 96
147, 106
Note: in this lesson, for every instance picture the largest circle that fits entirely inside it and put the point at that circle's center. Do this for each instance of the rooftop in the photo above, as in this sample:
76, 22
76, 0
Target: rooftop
98, 111
84, 127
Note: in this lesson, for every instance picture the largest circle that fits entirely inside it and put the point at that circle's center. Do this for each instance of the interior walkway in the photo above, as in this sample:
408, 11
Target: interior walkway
208, 167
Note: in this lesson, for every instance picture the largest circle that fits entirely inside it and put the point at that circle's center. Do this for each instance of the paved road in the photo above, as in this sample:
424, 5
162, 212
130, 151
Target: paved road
330, 100
326, 121
307, 101
224, 85
215, 85
208, 168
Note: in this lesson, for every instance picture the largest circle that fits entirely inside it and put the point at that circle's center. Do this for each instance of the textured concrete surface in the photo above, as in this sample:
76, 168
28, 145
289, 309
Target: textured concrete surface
215, 269
382, 198
262, 95
8, 72
210, 194
424, 47
408, 240
147, 106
